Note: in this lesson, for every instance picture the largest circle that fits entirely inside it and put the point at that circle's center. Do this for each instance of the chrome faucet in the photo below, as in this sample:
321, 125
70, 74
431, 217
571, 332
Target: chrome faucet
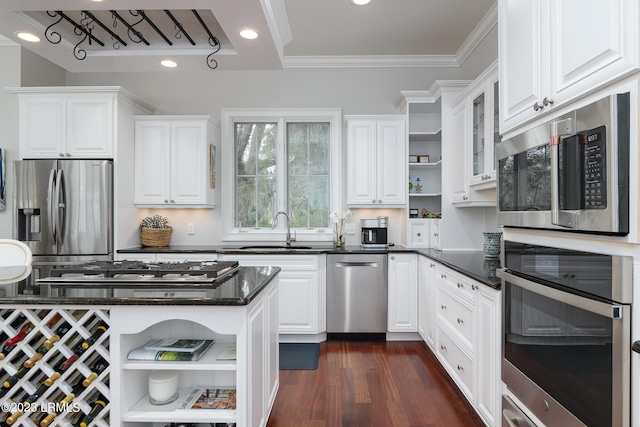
273, 224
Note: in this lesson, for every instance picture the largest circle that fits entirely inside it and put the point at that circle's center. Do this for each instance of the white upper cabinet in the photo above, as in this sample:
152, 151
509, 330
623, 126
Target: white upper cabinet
174, 161
376, 161
475, 132
66, 126
552, 52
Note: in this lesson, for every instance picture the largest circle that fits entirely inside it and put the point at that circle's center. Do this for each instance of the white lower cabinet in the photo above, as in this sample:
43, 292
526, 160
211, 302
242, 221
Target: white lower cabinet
402, 311
302, 290
252, 329
460, 319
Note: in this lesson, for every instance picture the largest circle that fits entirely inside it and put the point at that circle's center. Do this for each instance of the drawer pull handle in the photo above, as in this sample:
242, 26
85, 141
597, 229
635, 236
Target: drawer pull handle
442, 306
460, 368
460, 321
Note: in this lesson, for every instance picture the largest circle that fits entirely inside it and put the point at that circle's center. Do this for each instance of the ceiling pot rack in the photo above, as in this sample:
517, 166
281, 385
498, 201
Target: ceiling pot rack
85, 26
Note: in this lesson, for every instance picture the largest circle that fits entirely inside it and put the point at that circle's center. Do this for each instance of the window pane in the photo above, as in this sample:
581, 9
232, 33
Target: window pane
308, 183
255, 145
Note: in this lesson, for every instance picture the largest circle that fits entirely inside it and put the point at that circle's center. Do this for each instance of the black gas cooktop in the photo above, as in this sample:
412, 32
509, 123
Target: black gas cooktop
140, 272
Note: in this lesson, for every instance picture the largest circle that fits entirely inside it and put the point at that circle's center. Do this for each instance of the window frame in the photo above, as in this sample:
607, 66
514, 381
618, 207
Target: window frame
228, 169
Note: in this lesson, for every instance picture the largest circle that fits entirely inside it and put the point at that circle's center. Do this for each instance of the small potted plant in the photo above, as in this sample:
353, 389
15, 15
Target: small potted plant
155, 231
339, 219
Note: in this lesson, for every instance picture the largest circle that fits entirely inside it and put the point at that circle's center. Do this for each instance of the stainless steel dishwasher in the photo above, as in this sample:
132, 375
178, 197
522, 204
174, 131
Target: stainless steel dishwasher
356, 294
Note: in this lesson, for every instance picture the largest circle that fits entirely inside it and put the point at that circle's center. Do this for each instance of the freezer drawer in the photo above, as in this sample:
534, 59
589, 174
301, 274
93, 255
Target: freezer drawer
356, 293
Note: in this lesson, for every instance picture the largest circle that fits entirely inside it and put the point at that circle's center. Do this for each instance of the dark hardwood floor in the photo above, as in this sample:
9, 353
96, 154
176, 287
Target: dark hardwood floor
368, 384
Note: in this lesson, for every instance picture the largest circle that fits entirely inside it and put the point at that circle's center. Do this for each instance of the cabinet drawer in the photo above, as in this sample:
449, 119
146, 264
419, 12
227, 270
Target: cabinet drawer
465, 287
455, 313
285, 262
456, 362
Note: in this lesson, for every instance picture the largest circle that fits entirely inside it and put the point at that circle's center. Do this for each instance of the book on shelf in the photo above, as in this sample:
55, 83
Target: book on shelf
173, 344
208, 397
141, 353
228, 353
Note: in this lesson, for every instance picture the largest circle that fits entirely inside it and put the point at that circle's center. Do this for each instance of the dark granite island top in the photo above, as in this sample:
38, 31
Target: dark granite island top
238, 289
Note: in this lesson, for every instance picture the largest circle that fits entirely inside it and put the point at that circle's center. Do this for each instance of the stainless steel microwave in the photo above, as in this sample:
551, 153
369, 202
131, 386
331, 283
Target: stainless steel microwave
571, 173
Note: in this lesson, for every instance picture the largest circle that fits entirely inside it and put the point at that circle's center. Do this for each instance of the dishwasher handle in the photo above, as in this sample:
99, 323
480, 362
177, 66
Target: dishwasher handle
356, 264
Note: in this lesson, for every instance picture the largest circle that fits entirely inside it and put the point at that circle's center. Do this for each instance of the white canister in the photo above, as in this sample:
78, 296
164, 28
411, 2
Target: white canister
163, 387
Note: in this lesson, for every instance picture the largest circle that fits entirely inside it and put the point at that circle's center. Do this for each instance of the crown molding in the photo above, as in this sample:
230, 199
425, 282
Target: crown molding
478, 34
371, 61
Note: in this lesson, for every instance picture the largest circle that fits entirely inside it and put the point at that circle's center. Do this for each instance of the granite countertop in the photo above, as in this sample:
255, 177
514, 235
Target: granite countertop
237, 289
470, 263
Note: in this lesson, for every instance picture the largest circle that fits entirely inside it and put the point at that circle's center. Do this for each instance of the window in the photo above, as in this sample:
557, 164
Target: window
281, 160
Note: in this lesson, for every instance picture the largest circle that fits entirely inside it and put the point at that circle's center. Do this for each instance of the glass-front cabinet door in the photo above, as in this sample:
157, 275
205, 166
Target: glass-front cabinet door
485, 134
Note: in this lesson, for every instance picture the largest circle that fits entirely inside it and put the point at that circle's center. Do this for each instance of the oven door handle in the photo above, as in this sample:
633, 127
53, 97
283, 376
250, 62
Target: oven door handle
612, 311
560, 128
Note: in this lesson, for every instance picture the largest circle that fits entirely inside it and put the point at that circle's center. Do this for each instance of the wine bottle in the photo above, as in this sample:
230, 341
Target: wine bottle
13, 379
10, 344
18, 413
38, 393
46, 421
97, 332
98, 405
96, 369
47, 344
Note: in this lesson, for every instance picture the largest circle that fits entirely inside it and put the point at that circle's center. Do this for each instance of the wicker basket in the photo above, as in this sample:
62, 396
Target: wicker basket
156, 237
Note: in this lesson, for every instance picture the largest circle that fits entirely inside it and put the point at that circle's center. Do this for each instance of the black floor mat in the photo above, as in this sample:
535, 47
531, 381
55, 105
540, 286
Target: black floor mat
299, 356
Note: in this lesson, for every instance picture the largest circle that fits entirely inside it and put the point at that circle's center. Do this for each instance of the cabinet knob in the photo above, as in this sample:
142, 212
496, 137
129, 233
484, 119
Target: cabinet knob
443, 347
460, 321
435, 234
172, 201
460, 368
465, 198
60, 154
460, 285
68, 155
380, 201
166, 201
432, 265
392, 258
419, 234
547, 101
443, 307
444, 276
373, 201
474, 287
537, 106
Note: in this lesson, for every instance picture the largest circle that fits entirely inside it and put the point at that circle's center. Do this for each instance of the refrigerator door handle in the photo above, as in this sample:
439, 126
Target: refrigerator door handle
60, 209
51, 213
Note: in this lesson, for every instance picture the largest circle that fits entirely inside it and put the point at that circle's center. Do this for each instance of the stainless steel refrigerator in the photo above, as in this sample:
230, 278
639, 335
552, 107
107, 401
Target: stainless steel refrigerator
63, 210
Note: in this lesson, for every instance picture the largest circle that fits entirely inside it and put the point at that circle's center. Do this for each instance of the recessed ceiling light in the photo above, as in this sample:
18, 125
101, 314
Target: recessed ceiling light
248, 33
360, 2
169, 63
28, 37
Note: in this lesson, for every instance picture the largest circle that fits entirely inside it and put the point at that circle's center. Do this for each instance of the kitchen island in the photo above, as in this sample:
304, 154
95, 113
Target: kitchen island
99, 324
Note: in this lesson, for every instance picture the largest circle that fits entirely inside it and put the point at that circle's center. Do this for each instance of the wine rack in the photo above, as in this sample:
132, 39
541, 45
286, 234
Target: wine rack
66, 377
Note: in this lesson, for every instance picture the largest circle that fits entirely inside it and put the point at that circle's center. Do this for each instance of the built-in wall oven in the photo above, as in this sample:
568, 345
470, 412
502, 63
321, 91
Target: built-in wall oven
567, 335
571, 173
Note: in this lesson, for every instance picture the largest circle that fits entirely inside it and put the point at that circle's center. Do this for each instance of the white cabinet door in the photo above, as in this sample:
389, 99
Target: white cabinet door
460, 124
392, 161
434, 237
42, 127
185, 257
152, 162
173, 162
426, 308
188, 171
403, 293
523, 75
419, 233
256, 358
489, 340
90, 126
585, 58
376, 155
549, 57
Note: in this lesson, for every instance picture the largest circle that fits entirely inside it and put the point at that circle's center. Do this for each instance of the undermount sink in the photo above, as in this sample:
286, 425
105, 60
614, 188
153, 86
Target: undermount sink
273, 247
